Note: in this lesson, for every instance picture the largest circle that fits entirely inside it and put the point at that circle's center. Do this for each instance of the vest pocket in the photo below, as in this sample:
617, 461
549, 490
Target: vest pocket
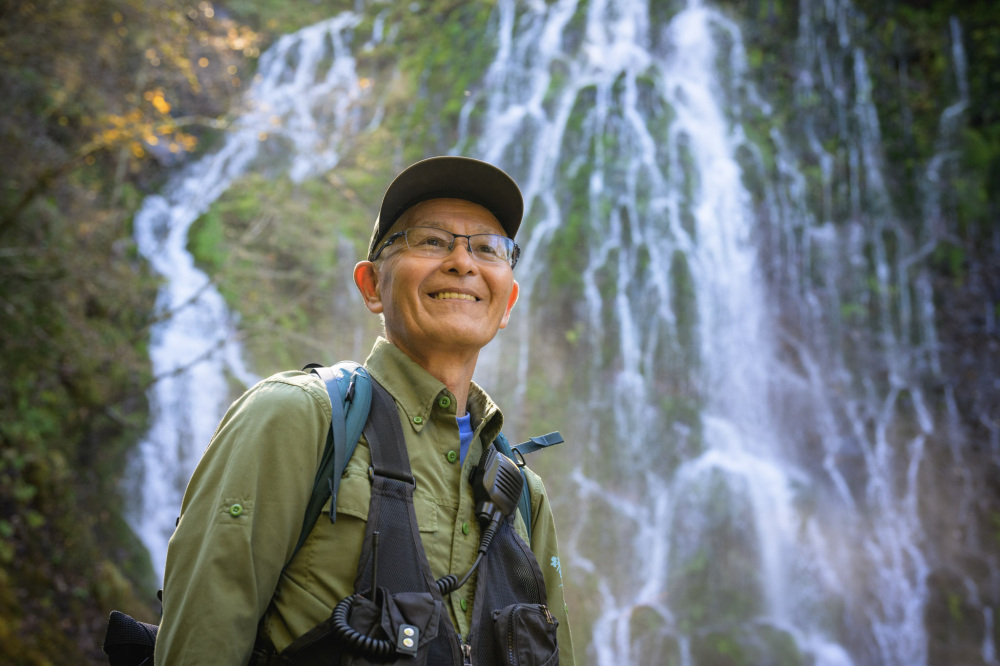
526, 635
382, 622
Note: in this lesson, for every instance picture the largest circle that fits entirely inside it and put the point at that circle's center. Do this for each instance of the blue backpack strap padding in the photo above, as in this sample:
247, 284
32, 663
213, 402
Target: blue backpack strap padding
349, 388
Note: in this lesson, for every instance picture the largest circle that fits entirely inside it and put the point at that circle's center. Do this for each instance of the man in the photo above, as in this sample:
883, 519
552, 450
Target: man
440, 273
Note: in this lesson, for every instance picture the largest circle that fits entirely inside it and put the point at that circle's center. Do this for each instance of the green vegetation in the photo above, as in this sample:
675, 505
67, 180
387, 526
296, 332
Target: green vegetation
98, 96
274, 18
748, 645
715, 567
909, 57
103, 96
650, 641
940, 157
282, 254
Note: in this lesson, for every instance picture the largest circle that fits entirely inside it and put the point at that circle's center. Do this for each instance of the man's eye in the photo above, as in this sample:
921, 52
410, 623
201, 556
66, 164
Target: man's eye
487, 249
432, 241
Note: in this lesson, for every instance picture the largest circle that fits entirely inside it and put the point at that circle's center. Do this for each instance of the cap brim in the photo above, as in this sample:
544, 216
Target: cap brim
450, 177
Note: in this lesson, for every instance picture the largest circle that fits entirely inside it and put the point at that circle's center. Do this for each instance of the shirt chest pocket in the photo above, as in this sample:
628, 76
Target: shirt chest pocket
354, 497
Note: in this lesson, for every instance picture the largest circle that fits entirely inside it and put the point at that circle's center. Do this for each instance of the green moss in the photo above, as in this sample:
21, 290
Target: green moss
748, 645
690, 186
719, 649
714, 564
568, 250
955, 603
661, 12
681, 408
281, 252
427, 47
973, 195
206, 241
950, 260
278, 17
774, 646
684, 305
649, 639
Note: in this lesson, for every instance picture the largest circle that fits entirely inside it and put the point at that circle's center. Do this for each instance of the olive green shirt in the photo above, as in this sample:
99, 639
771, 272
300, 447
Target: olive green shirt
242, 515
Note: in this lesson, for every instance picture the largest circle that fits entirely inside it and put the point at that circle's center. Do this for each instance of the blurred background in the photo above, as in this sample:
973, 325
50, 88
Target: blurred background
760, 292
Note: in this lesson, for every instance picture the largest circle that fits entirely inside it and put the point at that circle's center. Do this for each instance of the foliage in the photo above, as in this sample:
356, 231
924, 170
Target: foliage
442, 50
98, 96
932, 68
282, 259
919, 80
279, 256
273, 18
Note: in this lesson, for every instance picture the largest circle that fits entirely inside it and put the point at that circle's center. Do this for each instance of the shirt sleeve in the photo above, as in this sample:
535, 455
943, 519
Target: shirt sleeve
240, 520
545, 546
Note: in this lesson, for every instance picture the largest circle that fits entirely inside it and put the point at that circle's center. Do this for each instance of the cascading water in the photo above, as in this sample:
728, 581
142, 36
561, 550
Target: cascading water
303, 100
761, 471
677, 213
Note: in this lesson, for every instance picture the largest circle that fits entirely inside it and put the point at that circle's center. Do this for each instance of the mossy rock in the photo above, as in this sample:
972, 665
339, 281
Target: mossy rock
715, 563
748, 645
956, 626
651, 638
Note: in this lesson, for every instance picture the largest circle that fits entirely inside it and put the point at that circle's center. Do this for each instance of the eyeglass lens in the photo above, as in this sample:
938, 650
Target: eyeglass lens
431, 241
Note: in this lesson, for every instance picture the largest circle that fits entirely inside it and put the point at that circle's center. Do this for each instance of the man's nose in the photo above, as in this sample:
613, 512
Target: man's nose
464, 258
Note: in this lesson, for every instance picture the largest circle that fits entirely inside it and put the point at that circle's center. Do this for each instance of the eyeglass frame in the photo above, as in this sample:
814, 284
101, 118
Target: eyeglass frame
514, 255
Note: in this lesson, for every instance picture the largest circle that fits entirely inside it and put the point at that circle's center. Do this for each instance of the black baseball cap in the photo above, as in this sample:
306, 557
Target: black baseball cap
450, 177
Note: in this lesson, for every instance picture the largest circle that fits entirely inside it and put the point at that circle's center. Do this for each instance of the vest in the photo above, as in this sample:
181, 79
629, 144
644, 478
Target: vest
397, 614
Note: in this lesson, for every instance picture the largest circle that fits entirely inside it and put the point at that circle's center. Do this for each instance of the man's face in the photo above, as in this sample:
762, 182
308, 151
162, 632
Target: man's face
455, 303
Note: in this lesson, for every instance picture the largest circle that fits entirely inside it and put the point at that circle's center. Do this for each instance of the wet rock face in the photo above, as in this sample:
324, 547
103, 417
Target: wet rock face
956, 624
732, 302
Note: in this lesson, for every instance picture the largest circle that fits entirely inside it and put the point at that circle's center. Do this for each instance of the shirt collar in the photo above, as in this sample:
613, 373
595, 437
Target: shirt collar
417, 392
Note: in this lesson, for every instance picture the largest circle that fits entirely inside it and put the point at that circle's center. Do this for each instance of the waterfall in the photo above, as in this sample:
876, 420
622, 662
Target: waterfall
676, 205
300, 110
742, 472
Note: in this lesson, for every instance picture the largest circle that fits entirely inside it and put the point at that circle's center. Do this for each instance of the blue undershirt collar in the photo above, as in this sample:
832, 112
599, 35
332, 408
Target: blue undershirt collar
464, 434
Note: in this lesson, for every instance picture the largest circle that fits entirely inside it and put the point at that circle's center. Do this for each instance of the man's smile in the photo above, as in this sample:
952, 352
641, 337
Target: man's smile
442, 295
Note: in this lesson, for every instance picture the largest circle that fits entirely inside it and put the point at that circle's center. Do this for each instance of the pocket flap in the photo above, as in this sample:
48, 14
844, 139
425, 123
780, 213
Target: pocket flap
526, 633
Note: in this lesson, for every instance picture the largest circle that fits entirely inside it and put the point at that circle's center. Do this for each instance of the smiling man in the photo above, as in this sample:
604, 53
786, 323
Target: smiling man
464, 580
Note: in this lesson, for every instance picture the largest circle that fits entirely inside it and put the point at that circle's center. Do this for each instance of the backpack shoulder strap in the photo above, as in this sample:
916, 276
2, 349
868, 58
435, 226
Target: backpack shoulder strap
516, 454
535, 443
349, 387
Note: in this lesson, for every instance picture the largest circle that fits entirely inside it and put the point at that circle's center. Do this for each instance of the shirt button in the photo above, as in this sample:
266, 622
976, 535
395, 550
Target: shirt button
465, 528
464, 604
235, 510
444, 402
418, 419
451, 456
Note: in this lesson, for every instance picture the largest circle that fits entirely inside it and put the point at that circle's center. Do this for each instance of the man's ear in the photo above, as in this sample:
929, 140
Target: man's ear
510, 305
366, 279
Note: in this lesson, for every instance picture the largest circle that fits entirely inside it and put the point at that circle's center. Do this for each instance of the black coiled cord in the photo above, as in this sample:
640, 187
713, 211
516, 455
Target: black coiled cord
357, 643
447, 585
353, 640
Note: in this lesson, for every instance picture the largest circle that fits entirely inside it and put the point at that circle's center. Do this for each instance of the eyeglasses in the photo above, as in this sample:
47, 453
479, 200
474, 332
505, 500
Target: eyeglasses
434, 242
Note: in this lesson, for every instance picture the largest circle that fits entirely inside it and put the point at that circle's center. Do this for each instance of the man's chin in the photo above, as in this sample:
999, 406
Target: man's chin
459, 335
443, 335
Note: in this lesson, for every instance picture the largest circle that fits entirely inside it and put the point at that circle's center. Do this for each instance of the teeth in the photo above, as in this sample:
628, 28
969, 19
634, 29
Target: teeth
441, 295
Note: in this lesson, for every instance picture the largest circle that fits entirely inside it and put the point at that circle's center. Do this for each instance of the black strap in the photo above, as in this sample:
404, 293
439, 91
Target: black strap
524, 503
388, 453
